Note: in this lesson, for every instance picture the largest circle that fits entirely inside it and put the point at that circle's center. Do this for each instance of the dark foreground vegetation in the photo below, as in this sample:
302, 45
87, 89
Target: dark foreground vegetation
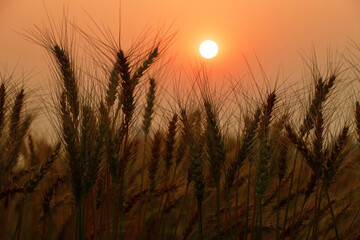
124, 167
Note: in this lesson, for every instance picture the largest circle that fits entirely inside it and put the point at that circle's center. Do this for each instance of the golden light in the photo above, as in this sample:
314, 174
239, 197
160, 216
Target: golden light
208, 49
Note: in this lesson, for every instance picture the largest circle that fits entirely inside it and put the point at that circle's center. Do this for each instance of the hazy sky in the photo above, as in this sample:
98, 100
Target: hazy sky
275, 30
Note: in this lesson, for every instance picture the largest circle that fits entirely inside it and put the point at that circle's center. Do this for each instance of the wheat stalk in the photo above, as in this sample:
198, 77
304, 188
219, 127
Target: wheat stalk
152, 169
2, 107
147, 119
216, 154
264, 150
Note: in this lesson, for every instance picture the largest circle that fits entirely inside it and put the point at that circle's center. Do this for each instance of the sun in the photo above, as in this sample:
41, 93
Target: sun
208, 49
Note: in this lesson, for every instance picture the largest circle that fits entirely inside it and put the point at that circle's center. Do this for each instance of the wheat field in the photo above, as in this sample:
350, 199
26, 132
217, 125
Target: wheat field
126, 167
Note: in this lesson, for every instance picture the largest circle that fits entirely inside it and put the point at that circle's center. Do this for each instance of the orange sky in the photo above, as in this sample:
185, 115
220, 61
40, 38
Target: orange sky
276, 31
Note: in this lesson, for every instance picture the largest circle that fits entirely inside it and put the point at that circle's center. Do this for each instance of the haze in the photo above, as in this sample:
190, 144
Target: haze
274, 31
